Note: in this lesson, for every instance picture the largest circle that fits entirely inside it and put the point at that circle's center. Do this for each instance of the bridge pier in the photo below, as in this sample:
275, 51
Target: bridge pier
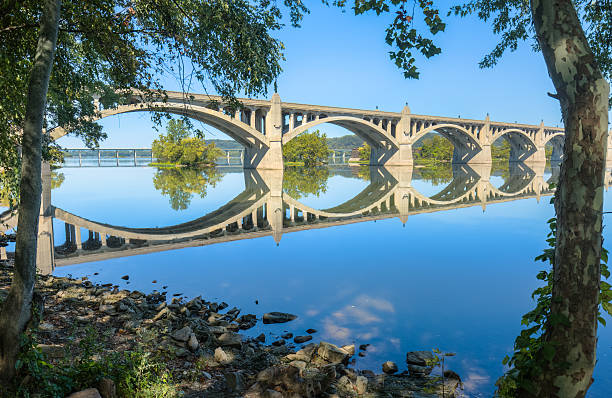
45, 249
402, 156
271, 157
557, 152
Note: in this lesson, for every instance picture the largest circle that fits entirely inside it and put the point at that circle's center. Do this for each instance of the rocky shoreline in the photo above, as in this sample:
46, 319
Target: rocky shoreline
200, 345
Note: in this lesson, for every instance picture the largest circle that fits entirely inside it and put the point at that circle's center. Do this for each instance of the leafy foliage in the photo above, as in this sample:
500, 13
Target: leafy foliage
177, 147
181, 184
531, 350
435, 148
365, 151
512, 19
500, 150
136, 373
402, 34
310, 148
106, 48
302, 181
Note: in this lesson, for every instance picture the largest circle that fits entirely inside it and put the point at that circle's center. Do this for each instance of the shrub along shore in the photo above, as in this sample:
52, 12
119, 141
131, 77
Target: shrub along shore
92, 340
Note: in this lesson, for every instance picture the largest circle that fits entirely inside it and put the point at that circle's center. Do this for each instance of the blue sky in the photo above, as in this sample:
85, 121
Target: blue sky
339, 59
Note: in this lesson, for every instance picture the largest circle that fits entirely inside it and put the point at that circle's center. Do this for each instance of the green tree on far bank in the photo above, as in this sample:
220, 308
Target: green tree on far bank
435, 148
178, 146
365, 151
309, 148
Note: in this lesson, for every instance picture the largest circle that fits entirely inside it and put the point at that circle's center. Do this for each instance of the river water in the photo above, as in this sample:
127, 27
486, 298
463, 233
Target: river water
403, 260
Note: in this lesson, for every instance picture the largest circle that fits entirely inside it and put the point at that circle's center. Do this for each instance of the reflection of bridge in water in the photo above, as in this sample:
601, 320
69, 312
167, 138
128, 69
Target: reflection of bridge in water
263, 209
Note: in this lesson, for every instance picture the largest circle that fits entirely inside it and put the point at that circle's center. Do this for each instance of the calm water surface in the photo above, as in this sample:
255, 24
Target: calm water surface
455, 279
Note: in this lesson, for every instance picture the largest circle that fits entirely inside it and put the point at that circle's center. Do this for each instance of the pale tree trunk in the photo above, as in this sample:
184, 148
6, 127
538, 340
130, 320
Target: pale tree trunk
583, 93
15, 312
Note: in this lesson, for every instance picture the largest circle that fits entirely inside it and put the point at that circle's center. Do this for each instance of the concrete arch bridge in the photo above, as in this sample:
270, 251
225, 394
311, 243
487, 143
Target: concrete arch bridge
263, 127
263, 209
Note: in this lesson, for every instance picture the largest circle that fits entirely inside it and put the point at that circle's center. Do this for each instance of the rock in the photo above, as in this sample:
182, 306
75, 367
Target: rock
222, 356
331, 354
419, 371
193, 343
278, 317
287, 336
107, 309
311, 331
302, 339
234, 381
182, 334
301, 365
46, 326
89, 393
350, 349
278, 343
52, 350
345, 383
272, 394
181, 352
363, 347
125, 277
389, 367
361, 384
449, 374
107, 388
230, 339
420, 358
261, 338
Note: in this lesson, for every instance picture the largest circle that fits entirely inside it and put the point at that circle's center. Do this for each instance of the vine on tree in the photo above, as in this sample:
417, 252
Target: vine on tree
531, 350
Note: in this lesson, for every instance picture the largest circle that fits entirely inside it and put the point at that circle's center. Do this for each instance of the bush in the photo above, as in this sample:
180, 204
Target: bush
309, 148
365, 151
178, 147
137, 374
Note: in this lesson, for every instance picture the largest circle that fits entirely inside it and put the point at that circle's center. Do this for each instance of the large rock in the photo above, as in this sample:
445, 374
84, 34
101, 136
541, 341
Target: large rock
89, 393
361, 385
234, 381
193, 342
278, 317
302, 339
222, 357
230, 339
389, 367
182, 334
329, 353
420, 358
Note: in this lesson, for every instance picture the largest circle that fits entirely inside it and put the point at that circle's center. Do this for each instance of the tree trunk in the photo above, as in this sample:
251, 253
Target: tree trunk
16, 309
583, 94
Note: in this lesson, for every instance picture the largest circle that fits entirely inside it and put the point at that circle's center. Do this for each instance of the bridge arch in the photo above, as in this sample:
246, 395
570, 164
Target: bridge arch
523, 145
465, 144
236, 129
371, 133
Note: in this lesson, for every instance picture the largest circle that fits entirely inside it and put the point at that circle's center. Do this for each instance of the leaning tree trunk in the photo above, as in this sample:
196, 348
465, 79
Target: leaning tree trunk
583, 93
16, 309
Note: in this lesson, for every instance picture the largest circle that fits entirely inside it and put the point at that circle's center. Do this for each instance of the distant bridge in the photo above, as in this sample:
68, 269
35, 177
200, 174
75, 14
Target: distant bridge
263, 127
263, 209
134, 157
